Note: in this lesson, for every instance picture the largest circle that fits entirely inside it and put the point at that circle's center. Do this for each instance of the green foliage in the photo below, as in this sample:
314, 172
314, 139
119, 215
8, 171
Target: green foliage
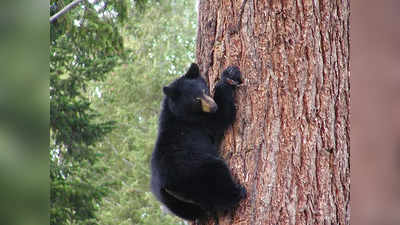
160, 46
85, 44
105, 78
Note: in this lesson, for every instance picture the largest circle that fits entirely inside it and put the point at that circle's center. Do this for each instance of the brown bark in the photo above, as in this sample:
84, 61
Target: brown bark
290, 145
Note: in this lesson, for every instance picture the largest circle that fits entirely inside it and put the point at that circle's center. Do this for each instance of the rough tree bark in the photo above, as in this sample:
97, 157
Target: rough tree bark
290, 145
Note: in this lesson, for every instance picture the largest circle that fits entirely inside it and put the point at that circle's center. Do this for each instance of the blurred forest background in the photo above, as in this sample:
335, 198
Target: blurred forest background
108, 62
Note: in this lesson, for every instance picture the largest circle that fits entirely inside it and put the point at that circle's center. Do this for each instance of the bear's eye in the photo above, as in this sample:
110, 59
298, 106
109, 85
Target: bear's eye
198, 100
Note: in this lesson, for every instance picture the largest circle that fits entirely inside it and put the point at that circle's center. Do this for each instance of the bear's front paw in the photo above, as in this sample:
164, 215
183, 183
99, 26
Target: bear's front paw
232, 76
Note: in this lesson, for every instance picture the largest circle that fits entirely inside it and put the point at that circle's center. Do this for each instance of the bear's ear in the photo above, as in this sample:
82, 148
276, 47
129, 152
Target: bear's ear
193, 71
170, 91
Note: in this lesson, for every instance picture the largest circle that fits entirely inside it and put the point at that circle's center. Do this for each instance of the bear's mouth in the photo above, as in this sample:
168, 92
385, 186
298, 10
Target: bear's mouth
208, 105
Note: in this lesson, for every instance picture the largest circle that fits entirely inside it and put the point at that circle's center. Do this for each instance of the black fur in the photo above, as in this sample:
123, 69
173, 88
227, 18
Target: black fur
188, 175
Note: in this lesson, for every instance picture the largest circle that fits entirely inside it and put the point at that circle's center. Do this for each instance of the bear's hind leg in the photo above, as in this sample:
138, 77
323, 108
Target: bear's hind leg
184, 210
216, 188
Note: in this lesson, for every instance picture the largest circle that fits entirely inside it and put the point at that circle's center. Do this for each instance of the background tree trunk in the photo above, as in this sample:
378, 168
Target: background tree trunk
290, 145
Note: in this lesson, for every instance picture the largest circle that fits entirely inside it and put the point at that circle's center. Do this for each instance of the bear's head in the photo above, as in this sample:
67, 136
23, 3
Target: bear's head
188, 97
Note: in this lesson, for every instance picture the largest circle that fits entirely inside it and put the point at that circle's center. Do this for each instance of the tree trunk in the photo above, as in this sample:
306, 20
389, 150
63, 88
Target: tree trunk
290, 144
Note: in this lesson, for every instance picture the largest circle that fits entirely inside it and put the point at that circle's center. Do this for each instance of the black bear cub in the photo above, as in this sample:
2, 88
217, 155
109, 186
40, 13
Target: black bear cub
188, 175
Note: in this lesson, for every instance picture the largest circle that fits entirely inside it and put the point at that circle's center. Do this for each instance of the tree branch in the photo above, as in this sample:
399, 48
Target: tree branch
64, 10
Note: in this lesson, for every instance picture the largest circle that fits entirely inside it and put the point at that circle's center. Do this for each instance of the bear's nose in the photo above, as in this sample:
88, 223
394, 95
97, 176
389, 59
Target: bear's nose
208, 105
